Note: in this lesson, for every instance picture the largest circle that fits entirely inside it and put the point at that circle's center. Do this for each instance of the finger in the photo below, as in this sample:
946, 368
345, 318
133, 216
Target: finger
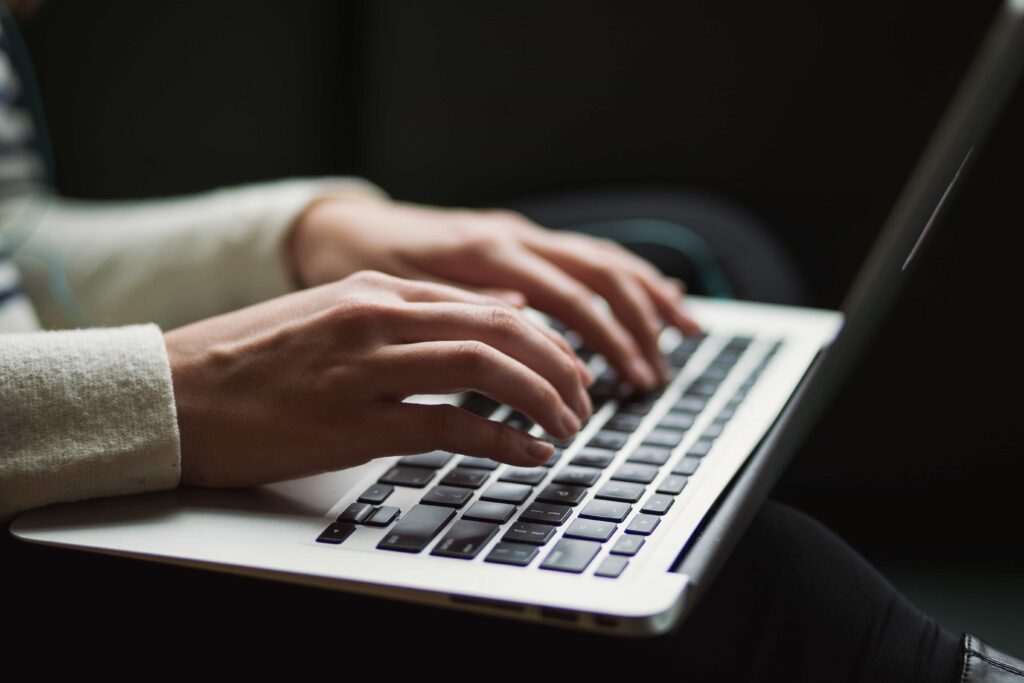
506, 330
511, 297
585, 374
628, 299
447, 367
667, 293
672, 308
554, 291
425, 428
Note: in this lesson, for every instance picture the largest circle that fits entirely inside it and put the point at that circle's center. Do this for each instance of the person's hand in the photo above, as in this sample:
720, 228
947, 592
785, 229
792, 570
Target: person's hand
556, 272
314, 381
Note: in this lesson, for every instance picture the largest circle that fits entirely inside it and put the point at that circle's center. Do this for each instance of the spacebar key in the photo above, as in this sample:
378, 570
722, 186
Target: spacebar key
417, 528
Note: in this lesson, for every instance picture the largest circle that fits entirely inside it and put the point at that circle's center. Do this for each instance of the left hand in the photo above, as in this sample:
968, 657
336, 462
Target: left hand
503, 254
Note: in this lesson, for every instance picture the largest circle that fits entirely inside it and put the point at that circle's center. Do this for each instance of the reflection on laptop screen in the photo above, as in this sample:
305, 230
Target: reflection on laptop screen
937, 210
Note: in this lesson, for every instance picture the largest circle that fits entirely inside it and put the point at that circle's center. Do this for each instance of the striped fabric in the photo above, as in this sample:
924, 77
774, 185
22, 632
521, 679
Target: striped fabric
21, 173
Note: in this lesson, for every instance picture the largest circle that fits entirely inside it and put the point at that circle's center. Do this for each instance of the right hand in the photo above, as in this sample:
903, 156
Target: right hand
314, 381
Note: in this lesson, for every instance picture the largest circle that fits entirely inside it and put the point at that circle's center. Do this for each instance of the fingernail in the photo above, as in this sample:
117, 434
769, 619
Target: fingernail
540, 450
570, 423
664, 371
588, 407
588, 376
645, 373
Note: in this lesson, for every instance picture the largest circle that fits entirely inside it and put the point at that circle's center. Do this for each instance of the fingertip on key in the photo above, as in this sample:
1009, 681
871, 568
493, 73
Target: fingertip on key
540, 451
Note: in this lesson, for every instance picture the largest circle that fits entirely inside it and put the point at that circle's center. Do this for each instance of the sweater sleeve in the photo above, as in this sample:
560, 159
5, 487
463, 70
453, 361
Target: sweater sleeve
90, 412
170, 261
85, 413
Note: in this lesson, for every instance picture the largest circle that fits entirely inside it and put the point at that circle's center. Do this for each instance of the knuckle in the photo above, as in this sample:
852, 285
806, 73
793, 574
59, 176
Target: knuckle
471, 356
483, 243
363, 316
504, 322
371, 278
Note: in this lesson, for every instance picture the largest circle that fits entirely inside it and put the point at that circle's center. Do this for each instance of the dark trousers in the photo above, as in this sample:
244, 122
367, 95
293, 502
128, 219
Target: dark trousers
793, 602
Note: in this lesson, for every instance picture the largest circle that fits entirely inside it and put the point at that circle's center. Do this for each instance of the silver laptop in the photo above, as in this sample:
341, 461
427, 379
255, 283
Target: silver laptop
621, 531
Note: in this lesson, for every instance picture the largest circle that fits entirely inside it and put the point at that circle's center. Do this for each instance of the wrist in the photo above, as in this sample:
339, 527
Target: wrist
300, 240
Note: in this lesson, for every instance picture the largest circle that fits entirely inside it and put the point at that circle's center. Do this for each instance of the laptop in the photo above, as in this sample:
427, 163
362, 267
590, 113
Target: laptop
626, 525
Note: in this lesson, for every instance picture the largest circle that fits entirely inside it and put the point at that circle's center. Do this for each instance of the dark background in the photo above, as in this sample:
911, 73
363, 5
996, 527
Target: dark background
808, 114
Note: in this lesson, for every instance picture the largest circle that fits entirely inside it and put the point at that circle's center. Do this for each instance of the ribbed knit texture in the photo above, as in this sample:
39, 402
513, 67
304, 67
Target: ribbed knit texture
85, 413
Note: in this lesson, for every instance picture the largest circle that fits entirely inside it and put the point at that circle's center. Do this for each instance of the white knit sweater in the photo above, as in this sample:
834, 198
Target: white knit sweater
90, 412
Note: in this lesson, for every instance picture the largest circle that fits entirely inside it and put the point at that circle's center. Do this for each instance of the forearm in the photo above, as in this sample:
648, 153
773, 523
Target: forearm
85, 413
169, 261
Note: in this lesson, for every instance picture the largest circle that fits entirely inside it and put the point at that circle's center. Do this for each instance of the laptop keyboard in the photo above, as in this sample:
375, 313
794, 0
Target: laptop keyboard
566, 510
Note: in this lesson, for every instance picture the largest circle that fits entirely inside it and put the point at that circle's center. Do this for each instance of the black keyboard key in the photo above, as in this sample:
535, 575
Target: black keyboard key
478, 404
478, 463
716, 372
466, 478
517, 554
713, 431
376, 494
383, 516
687, 466
571, 555
643, 525
356, 513
465, 539
505, 492
577, 476
690, 404
553, 460
519, 421
636, 472
609, 440
524, 475
627, 492
637, 406
449, 496
434, 460
677, 420
726, 414
658, 504
627, 545
669, 438
727, 357
611, 567
563, 494
739, 343
702, 388
593, 457
417, 528
590, 529
672, 484
558, 443
608, 510
701, 448
546, 513
336, 533
651, 455
624, 422
527, 532
485, 511
416, 477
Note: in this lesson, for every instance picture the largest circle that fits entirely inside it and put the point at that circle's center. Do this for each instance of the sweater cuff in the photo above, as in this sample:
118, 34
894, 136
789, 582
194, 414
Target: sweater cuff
279, 205
85, 413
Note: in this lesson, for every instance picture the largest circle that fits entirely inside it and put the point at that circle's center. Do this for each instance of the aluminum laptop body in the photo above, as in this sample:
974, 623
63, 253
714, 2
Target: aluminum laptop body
773, 368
